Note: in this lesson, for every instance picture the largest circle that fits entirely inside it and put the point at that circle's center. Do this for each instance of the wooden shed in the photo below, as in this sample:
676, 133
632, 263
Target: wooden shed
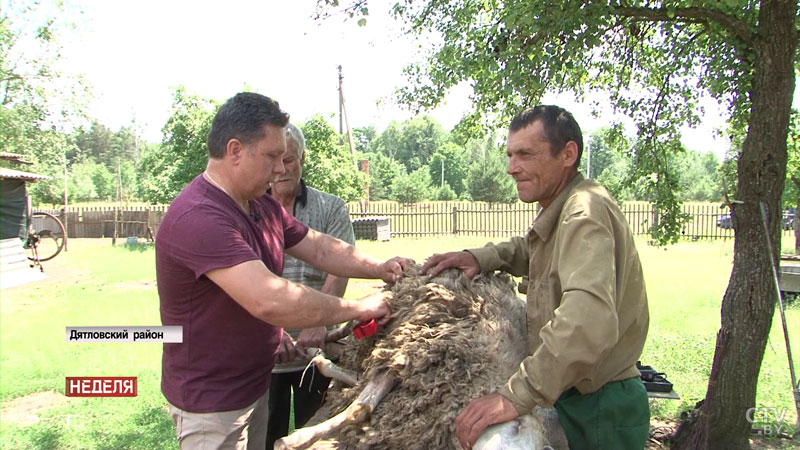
15, 268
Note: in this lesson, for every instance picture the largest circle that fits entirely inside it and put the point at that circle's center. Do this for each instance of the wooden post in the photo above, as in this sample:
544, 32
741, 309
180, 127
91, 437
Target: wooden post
365, 169
117, 212
64, 211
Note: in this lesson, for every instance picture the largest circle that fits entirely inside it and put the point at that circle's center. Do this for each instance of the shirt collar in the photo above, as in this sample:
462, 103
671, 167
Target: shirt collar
546, 220
302, 197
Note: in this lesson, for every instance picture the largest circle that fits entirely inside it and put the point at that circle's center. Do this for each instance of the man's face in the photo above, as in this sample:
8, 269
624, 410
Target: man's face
262, 161
289, 183
539, 175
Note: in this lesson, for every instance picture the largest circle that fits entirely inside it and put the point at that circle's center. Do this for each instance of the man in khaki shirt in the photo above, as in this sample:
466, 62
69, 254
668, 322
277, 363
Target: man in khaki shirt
587, 310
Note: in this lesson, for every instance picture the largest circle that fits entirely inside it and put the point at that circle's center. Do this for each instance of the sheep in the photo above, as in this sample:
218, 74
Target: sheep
450, 340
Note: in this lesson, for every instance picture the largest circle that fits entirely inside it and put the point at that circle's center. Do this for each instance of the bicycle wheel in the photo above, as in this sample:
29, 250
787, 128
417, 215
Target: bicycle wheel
49, 236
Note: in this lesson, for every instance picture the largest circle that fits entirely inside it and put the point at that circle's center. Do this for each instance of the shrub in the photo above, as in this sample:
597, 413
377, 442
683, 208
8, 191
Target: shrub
413, 187
444, 193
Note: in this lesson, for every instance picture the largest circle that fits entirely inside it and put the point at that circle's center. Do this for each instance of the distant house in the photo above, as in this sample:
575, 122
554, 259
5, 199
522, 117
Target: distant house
14, 206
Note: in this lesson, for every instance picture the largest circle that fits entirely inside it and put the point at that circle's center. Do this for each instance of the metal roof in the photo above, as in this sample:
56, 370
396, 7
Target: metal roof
12, 174
15, 157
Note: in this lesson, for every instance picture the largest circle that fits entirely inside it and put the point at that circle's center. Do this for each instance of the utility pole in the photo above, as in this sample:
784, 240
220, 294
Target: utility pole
343, 112
589, 161
341, 103
443, 171
117, 211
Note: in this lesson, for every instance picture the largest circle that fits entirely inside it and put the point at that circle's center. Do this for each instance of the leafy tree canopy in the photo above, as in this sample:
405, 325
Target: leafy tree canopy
105, 146
413, 187
329, 166
363, 137
656, 60
37, 101
488, 180
411, 142
454, 161
164, 170
382, 173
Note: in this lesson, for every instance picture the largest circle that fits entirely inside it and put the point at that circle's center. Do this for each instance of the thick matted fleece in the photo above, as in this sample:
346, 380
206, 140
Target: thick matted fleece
449, 341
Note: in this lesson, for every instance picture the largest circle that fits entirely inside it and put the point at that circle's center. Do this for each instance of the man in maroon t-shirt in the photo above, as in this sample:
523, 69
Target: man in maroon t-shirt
219, 256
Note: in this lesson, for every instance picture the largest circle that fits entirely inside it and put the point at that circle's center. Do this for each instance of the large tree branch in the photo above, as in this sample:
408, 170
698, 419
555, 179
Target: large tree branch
730, 23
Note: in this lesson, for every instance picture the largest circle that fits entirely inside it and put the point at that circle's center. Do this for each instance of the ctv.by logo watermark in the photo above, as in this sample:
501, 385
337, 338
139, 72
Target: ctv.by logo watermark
766, 421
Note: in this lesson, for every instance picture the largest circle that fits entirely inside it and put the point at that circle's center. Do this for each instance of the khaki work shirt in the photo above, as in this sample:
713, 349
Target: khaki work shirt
587, 312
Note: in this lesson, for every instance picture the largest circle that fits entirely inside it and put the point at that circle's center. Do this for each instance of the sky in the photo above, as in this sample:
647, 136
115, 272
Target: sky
133, 53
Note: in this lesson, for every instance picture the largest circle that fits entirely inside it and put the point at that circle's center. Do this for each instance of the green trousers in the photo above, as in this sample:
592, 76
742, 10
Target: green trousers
616, 417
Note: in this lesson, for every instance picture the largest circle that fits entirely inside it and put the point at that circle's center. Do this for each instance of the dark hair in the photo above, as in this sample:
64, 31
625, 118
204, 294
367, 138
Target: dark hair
243, 117
558, 124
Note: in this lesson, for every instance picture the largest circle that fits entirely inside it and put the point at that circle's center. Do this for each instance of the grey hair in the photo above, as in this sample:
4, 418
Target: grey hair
295, 135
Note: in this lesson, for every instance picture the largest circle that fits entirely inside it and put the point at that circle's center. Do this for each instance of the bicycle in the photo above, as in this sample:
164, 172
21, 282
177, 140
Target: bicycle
46, 238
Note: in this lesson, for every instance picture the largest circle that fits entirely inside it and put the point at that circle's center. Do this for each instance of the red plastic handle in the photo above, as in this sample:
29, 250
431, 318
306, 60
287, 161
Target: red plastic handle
365, 329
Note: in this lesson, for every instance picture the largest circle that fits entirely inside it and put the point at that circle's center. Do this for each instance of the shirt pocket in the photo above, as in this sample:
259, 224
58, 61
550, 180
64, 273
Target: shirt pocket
538, 311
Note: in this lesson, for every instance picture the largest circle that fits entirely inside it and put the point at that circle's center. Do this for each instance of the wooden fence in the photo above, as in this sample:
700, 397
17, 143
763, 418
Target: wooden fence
415, 220
99, 222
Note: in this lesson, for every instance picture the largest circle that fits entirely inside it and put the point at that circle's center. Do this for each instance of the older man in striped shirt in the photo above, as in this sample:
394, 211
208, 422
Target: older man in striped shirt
327, 214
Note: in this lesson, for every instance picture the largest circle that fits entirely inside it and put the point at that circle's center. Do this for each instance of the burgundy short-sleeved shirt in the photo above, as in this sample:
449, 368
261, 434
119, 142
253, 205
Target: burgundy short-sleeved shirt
226, 357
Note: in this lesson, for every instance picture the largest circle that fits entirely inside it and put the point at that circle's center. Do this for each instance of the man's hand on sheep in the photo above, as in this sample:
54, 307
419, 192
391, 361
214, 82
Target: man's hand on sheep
479, 414
375, 306
286, 350
311, 337
463, 260
392, 269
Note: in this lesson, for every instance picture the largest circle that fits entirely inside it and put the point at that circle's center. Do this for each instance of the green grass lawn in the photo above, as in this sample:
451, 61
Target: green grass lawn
95, 284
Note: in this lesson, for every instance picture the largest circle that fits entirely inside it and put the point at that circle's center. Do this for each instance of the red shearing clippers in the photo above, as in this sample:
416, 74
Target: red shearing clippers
365, 329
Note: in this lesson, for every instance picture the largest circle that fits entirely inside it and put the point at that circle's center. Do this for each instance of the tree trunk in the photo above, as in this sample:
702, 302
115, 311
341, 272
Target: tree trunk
749, 302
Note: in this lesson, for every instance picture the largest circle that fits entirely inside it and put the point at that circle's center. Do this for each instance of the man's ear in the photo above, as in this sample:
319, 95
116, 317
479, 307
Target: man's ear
570, 154
234, 150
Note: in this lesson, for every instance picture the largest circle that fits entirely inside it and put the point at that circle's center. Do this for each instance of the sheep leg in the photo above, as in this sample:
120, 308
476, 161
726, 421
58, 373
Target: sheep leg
341, 331
358, 412
329, 369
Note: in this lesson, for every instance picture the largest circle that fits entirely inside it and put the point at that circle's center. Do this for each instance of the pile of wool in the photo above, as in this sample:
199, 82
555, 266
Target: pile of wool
449, 341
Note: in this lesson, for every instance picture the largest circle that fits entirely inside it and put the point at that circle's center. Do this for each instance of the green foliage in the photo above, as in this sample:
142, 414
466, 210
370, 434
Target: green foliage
413, 187
382, 173
488, 180
412, 142
80, 184
363, 137
614, 178
129, 181
105, 183
164, 170
699, 177
598, 147
791, 190
105, 146
655, 60
455, 162
444, 193
329, 166
36, 100
610, 163
47, 150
